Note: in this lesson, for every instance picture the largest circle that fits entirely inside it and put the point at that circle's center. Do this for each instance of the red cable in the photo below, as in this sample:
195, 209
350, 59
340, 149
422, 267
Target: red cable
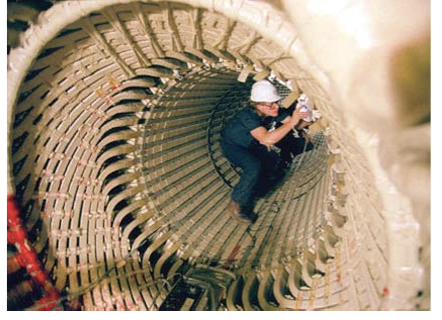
27, 258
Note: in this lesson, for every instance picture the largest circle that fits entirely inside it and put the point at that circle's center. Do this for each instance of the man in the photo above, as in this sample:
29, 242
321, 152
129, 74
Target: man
246, 143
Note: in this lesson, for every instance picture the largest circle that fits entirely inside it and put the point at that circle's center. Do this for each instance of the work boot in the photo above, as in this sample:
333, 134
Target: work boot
247, 211
236, 212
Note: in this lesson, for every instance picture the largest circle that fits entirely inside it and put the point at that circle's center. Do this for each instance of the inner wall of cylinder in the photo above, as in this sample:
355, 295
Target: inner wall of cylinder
117, 163
189, 180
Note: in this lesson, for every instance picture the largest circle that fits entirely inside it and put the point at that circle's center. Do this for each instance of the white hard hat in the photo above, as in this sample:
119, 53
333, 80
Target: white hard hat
264, 91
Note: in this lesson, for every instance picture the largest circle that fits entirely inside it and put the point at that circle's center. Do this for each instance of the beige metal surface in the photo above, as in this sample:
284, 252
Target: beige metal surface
114, 114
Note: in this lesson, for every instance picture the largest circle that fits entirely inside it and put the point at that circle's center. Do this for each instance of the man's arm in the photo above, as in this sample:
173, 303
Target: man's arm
269, 138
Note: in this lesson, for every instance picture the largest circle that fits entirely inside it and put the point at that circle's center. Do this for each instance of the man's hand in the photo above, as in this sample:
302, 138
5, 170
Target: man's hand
297, 115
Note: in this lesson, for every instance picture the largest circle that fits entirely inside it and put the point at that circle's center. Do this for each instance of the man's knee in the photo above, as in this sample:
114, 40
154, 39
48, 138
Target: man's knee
252, 169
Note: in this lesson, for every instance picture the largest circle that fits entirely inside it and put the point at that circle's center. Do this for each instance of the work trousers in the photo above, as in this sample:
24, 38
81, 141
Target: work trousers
259, 170
291, 146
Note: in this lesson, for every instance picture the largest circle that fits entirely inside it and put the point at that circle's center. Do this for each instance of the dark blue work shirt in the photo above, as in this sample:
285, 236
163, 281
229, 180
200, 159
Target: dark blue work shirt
237, 130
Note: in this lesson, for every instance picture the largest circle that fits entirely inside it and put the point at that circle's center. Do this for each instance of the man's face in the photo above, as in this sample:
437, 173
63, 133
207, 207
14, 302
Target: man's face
270, 109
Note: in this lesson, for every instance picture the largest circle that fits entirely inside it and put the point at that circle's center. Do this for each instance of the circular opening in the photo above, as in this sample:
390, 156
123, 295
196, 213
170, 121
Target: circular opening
123, 187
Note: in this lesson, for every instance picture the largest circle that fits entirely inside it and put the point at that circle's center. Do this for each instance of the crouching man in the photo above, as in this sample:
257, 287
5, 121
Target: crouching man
246, 143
